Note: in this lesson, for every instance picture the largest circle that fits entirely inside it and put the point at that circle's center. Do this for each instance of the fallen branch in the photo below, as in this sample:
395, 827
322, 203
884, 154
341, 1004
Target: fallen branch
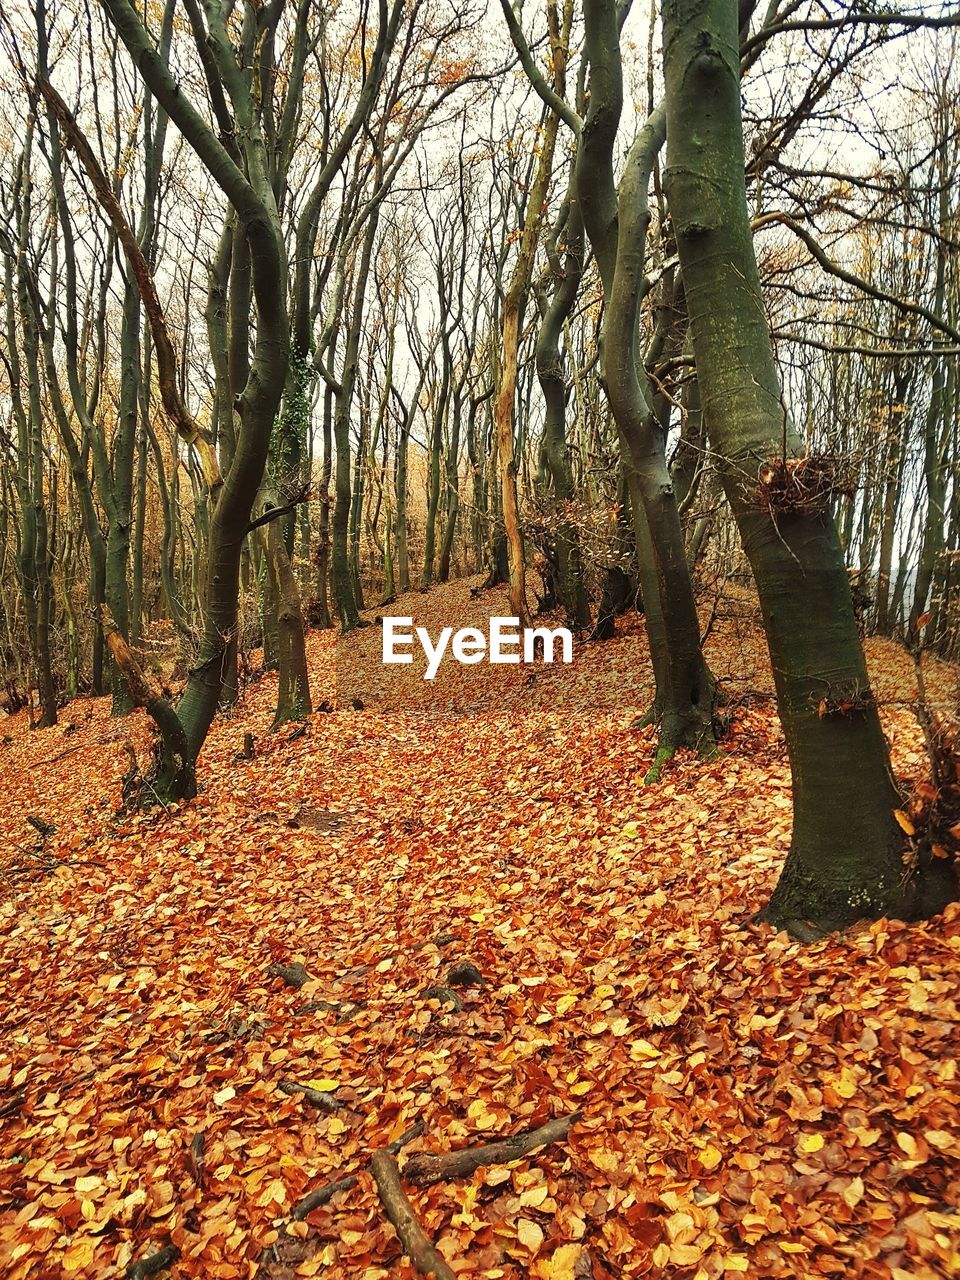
314, 1199
321, 1195
316, 1097
416, 1244
81, 746
428, 1167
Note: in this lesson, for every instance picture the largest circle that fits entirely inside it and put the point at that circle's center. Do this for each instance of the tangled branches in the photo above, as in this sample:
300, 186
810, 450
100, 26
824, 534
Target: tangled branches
804, 485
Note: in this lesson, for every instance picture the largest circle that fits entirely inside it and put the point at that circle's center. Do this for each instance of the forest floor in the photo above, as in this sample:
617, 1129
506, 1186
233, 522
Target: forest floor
749, 1105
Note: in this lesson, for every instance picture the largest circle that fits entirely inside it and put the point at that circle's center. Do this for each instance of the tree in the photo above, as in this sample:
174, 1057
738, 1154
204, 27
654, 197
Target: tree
846, 855
616, 223
250, 192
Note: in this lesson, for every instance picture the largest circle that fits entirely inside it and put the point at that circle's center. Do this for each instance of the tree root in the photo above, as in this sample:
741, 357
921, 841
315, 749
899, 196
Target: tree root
42, 826
398, 1209
663, 756
294, 975
465, 974
700, 739
155, 1262
799, 930
644, 721
424, 1169
321, 1195
429, 1167
445, 995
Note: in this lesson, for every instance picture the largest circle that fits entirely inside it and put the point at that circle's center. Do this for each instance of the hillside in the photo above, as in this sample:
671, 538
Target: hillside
749, 1105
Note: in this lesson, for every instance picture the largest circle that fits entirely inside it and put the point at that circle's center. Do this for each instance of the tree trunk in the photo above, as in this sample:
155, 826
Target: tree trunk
616, 223
293, 697
513, 305
322, 615
570, 584
845, 860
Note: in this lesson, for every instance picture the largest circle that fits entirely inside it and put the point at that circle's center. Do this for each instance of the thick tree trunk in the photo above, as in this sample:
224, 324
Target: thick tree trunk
845, 860
175, 774
683, 709
283, 620
293, 696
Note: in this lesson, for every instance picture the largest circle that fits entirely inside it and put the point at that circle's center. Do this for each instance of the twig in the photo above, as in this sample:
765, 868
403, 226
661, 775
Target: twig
69, 751
195, 1159
416, 1244
316, 1097
428, 1167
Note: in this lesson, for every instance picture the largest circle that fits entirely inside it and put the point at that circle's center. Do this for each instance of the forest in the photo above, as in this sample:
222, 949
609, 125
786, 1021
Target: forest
480, 630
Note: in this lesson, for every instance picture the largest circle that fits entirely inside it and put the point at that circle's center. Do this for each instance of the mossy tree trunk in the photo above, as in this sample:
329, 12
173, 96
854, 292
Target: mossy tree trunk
846, 855
568, 274
514, 302
617, 222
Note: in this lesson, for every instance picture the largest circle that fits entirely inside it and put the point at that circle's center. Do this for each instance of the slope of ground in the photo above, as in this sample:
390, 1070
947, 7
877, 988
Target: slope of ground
748, 1105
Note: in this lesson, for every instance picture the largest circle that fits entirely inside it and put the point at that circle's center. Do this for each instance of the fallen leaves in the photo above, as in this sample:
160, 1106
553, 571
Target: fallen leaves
751, 1107
810, 1143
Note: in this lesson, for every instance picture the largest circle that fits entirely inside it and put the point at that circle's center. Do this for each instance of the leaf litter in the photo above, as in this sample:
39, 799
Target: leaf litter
749, 1105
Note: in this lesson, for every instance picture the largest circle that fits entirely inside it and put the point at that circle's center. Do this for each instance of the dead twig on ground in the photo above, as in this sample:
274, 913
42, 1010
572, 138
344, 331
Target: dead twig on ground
416, 1244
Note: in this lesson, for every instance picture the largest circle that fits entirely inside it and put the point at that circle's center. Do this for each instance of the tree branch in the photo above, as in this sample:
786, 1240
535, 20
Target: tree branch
181, 417
416, 1244
539, 84
848, 277
218, 161
428, 1167
275, 512
912, 21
